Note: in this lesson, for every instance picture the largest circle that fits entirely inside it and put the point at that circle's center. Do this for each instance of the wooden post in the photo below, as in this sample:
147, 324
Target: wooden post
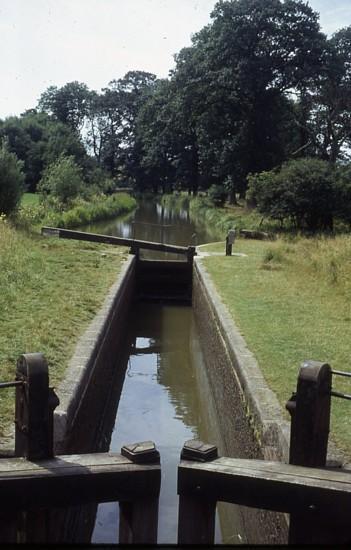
35, 404
34, 438
309, 408
196, 517
191, 253
229, 241
310, 415
138, 520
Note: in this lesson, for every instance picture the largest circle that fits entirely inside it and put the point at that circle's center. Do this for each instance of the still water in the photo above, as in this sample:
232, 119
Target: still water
154, 222
165, 397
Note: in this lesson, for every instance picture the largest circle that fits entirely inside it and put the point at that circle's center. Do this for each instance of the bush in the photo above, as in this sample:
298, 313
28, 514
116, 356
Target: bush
61, 181
344, 193
11, 181
217, 195
303, 191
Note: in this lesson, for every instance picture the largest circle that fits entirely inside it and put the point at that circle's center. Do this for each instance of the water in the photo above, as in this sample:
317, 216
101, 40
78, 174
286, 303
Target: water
165, 397
154, 222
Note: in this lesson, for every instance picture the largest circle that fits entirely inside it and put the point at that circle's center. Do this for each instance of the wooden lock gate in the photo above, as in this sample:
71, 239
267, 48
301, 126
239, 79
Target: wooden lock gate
317, 498
35, 481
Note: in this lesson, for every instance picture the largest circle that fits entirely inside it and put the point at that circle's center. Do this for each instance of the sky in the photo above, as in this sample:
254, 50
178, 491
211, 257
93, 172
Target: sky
52, 42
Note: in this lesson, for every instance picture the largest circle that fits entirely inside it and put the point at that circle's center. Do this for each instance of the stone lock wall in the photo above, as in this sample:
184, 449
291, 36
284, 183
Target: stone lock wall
249, 416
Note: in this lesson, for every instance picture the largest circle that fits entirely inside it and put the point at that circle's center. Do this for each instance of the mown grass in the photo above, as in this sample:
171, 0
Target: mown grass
291, 299
50, 290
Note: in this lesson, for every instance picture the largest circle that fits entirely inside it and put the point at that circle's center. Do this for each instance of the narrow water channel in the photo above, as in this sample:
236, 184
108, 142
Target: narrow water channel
165, 397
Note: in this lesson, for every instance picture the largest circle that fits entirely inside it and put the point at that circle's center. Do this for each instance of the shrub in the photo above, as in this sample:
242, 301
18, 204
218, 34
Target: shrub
11, 181
344, 193
62, 180
217, 194
303, 191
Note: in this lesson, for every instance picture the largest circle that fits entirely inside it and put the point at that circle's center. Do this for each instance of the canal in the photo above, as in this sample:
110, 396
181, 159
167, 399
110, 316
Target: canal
165, 397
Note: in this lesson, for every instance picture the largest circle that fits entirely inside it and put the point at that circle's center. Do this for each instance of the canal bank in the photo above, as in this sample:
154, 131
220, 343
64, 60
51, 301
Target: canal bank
238, 413
250, 420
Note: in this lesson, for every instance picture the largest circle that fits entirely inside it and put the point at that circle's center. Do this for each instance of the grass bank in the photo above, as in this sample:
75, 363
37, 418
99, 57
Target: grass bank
50, 291
291, 300
220, 220
32, 213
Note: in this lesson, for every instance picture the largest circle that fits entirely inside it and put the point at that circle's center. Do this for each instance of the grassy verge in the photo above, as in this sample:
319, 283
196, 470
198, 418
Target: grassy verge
50, 290
220, 220
32, 213
291, 300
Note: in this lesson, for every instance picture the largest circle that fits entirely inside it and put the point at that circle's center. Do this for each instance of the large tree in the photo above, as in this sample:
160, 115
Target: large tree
111, 123
328, 125
38, 140
11, 180
235, 79
67, 104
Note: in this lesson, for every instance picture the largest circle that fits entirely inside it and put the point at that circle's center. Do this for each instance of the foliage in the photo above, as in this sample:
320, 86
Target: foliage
227, 108
259, 85
98, 208
80, 212
11, 180
68, 104
111, 124
327, 124
38, 140
61, 181
217, 195
221, 220
343, 193
302, 191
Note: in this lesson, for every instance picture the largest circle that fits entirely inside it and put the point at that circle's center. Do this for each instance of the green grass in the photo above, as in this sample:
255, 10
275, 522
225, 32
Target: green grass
30, 199
291, 300
33, 214
50, 290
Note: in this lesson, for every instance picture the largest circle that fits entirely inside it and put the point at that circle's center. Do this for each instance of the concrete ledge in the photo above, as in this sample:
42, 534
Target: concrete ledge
85, 363
262, 408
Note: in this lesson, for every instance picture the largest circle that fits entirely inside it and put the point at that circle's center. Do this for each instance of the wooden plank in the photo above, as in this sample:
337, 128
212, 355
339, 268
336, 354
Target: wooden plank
138, 521
310, 418
268, 485
66, 479
196, 520
108, 239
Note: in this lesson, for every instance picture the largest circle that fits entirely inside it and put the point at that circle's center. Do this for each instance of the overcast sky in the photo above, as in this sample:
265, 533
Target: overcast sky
52, 42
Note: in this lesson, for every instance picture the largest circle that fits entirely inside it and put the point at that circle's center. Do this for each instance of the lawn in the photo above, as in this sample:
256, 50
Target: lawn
50, 290
291, 299
30, 199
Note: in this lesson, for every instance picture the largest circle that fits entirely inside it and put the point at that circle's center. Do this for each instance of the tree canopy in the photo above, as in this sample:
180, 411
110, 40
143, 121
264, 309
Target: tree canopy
258, 86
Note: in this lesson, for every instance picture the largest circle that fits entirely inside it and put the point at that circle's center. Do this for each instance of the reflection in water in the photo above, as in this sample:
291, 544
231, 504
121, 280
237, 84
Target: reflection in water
165, 397
161, 402
154, 222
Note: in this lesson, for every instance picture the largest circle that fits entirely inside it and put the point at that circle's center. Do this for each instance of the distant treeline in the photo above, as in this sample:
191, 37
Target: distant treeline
259, 86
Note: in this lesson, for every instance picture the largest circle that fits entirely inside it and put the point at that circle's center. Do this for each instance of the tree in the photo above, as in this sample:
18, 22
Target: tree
235, 80
328, 126
39, 140
343, 189
111, 123
302, 191
11, 180
61, 181
67, 104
